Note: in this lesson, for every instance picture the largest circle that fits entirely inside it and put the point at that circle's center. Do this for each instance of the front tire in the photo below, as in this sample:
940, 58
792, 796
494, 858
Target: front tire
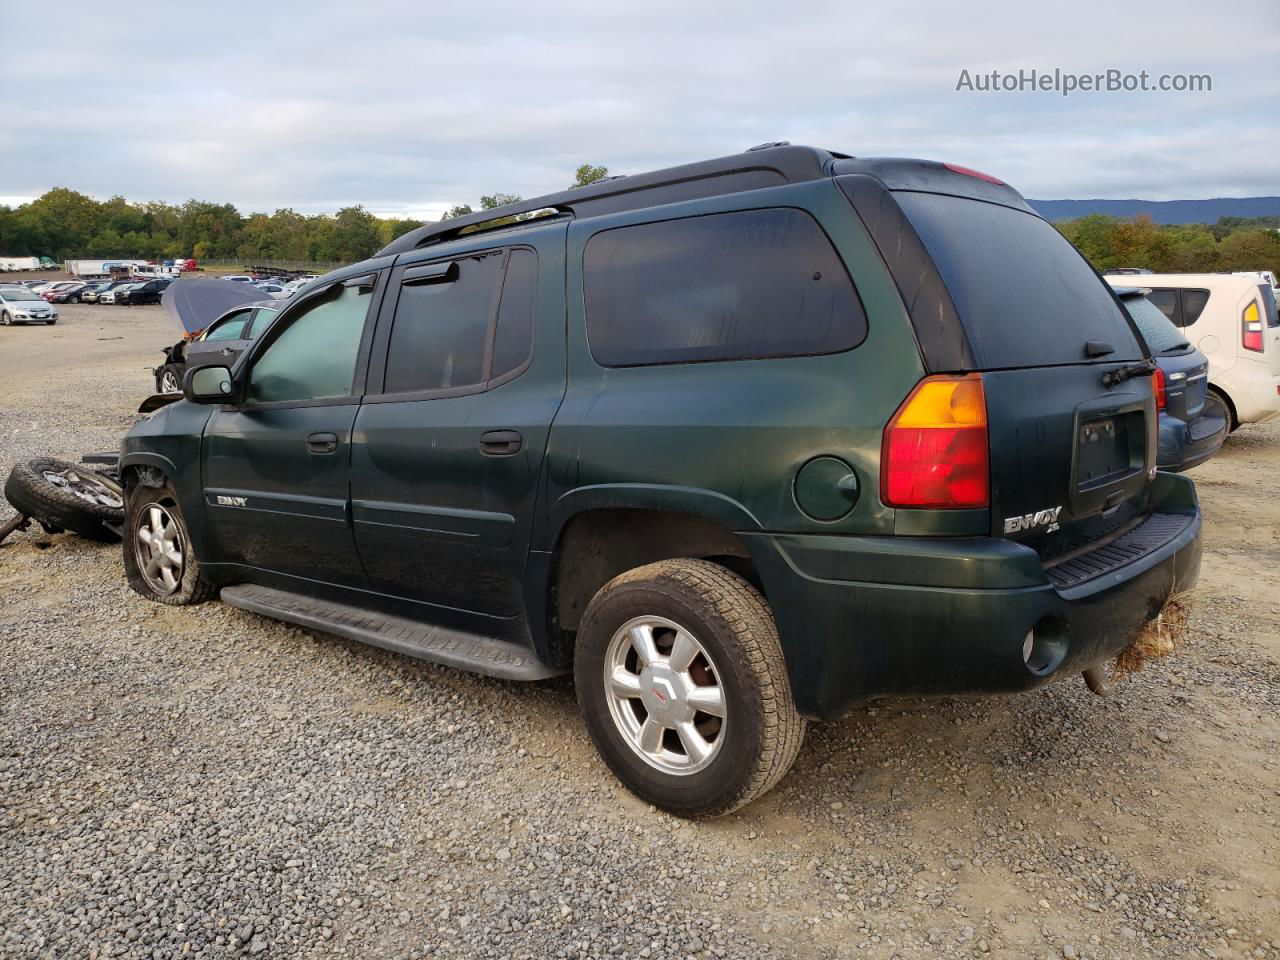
684, 689
5, 319
159, 561
169, 379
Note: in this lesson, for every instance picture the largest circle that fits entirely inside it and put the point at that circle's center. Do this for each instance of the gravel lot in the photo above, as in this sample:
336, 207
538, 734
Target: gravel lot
202, 781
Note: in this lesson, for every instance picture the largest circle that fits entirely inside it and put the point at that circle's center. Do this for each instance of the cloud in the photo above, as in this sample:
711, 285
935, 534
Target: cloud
409, 107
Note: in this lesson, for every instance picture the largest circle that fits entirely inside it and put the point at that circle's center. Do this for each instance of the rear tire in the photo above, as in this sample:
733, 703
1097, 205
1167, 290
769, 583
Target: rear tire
708, 641
1233, 424
159, 561
67, 497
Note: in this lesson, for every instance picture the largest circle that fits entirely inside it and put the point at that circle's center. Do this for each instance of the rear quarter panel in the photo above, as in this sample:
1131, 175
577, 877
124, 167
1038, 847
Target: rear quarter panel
725, 439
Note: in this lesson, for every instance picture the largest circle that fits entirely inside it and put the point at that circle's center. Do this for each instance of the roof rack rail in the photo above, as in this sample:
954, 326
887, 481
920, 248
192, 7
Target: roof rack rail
764, 166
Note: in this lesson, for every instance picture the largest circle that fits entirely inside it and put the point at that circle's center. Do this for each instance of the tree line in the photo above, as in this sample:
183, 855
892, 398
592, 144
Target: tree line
1233, 243
64, 224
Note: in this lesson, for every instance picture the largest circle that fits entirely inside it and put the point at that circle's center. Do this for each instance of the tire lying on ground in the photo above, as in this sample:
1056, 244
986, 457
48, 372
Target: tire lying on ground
66, 496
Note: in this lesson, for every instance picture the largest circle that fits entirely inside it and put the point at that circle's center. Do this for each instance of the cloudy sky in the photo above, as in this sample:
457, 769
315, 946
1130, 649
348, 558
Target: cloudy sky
411, 107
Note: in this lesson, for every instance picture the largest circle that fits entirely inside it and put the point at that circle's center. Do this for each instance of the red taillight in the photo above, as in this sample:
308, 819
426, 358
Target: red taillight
934, 453
1157, 387
1251, 329
967, 172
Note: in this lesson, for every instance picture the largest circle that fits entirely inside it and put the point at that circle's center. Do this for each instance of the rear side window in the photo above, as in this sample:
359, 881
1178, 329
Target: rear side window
465, 325
731, 286
1025, 296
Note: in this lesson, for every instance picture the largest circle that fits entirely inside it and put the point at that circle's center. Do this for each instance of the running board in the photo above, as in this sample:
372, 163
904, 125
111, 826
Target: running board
453, 648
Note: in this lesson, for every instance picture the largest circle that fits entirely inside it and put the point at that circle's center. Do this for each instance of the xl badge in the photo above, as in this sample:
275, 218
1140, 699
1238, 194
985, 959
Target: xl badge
1029, 521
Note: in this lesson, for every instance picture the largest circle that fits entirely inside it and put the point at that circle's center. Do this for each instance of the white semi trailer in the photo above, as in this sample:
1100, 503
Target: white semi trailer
9, 264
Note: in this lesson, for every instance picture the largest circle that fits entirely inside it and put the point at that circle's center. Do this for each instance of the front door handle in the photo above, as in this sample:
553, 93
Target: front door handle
322, 442
500, 443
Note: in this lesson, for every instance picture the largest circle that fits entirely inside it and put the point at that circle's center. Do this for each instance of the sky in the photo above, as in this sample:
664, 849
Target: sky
411, 107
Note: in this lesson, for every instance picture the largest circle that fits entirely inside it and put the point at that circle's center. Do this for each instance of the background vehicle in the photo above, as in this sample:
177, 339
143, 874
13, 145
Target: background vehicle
239, 278
1193, 422
12, 264
739, 442
54, 285
89, 292
1233, 321
222, 342
137, 294
115, 290
69, 294
1265, 276
274, 290
22, 306
94, 292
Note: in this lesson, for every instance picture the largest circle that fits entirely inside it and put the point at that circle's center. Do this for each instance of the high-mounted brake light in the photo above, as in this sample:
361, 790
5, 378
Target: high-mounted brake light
968, 172
1251, 328
1158, 388
934, 452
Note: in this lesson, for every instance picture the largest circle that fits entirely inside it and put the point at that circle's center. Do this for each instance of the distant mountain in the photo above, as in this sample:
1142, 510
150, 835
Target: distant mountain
1162, 211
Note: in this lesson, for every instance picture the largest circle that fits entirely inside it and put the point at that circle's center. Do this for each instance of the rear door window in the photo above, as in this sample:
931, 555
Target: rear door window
1025, 296
461, 324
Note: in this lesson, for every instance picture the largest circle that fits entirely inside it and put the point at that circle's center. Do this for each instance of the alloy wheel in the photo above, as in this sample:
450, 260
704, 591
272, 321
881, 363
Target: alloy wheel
159, 549
664, 694
85, 487
169, 383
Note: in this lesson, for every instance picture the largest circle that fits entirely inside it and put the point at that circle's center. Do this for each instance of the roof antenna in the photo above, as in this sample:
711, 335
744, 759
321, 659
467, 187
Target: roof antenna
768, 146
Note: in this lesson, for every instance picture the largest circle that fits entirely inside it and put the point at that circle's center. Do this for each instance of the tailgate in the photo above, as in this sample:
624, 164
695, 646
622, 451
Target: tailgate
1071, 459
1072, 456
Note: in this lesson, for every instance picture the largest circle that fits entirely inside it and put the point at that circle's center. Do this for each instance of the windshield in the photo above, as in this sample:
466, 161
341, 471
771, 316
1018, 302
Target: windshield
19, 295
1025, 296
1157, 329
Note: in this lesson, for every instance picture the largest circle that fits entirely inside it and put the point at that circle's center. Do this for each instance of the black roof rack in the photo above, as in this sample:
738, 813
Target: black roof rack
765, 166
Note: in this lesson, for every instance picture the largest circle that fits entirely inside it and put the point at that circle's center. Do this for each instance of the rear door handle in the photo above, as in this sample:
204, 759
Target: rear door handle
322, 442
501, 443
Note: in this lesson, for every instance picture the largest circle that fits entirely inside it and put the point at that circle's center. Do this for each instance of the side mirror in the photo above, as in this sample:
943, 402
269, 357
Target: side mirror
209, 385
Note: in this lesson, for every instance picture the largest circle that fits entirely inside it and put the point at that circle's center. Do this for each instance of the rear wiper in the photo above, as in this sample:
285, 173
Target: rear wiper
1176, 348
1144, 369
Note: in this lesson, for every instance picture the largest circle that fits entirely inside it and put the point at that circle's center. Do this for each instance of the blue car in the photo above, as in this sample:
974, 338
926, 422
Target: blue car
1193, 422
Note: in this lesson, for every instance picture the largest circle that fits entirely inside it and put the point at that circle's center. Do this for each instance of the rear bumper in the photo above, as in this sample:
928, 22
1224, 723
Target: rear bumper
1185, 444
868, 616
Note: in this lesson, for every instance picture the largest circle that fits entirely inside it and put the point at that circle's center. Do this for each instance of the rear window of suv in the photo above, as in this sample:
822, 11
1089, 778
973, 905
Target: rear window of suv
1025, 296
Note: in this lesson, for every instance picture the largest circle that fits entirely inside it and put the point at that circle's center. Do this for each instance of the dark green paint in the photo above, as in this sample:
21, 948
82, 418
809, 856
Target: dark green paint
409, 515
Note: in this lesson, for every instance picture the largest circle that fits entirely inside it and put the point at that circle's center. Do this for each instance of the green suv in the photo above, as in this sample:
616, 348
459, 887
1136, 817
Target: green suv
738, 443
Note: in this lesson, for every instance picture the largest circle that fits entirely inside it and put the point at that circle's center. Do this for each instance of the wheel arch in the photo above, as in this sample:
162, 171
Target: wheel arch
1225, 394
599, 533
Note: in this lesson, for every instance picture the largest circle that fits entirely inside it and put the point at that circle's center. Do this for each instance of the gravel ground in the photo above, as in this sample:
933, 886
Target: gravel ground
203, 781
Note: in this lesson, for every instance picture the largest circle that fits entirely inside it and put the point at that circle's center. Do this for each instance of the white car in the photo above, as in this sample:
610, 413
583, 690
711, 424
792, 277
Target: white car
1233, 321
239, 278
20, 305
